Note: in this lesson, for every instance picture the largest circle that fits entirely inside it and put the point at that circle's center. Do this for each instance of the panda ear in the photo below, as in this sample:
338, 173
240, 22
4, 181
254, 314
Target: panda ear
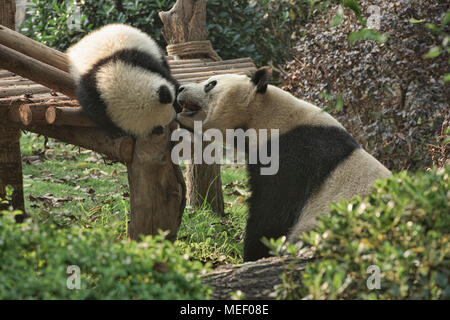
261, 79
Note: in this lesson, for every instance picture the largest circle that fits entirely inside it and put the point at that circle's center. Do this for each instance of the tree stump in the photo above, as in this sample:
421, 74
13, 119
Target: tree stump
184, 23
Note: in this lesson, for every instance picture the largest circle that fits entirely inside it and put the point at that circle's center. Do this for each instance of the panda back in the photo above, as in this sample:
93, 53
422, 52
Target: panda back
106, 42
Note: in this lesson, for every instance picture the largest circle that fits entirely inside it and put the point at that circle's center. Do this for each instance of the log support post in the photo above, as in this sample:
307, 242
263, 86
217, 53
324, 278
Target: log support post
185, 23
11, 166
157, 190
10, 157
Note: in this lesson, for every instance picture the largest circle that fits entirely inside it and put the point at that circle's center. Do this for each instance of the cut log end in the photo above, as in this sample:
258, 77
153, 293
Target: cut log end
20, 114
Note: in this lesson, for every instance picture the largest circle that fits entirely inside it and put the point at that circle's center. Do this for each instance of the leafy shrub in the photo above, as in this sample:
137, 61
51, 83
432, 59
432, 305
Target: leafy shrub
49, 21
261, 29
403, 228
35, 258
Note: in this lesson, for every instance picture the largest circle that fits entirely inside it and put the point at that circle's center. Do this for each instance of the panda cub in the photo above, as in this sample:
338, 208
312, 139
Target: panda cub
123, 82
319, 162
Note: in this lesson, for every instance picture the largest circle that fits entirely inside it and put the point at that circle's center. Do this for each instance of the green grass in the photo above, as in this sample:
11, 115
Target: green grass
72, 186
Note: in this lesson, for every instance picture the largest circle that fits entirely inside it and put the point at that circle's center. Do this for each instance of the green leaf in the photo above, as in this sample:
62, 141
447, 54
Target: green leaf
353, 4
433, 53
446, 19
413, 20
338, 17
367, 34
447, 77
339, 103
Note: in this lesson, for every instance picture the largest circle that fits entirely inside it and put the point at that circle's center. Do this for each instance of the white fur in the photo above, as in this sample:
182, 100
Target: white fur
130, 93
233, 103
104, 42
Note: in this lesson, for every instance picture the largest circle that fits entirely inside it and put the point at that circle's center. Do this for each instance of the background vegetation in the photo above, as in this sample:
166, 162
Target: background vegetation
261, 29
387, 86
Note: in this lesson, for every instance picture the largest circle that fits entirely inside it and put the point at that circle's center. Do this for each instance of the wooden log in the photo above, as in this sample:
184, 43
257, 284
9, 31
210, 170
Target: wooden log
257, 279
206, 74
228, 68
20, 43
68, 116
16, 81
203, 183
174, 64
186, 22
37, 71
7, 13
40, 113
20, 113
156, 192
20, 90
10, 158
200, 79
120, 149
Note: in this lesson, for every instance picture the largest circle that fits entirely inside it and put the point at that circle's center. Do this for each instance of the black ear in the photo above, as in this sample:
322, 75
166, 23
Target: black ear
261, 79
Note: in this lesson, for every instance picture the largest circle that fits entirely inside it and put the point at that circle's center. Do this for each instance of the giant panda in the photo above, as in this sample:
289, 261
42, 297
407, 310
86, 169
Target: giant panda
123, 82
319, 161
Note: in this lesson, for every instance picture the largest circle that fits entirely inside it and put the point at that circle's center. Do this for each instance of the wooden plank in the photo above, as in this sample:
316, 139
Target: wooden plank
201, 63
208, 74
244, 65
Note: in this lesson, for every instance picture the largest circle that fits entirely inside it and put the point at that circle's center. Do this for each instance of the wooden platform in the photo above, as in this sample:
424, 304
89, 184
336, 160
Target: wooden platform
13, 87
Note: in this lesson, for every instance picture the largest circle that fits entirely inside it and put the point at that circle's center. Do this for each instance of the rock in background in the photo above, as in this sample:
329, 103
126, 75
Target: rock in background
395, 101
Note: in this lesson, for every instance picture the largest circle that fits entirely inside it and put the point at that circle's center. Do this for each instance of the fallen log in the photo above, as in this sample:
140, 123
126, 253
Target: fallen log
256, 280
37, 71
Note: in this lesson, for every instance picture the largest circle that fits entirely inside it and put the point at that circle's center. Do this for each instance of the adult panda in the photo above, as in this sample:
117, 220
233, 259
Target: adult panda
319, 162
123, 81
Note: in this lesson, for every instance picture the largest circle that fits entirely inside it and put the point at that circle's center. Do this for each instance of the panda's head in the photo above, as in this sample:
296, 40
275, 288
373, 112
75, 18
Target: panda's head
221, 101
137, 99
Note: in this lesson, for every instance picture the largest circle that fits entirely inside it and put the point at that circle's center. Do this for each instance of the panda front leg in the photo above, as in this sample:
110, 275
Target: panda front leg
256, 230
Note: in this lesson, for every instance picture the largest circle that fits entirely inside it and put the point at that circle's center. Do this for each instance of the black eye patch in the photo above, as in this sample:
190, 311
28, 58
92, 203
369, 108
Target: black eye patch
210, 86
164, 95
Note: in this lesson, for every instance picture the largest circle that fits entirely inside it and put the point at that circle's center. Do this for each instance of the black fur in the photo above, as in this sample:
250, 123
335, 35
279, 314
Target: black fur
89, 96
261, 79
164, 94
308, 155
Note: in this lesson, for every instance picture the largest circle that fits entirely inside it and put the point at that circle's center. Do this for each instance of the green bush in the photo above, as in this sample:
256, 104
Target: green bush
403, 228
35, 258
261, 29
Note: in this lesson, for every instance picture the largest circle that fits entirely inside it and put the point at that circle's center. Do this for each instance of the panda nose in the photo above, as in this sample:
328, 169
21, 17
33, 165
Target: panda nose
180, 89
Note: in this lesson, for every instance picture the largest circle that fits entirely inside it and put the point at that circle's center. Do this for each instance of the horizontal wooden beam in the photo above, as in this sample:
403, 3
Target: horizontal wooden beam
20, 43
229, 68
120, 149
174, 64
14, 91
68, 116
37, 71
